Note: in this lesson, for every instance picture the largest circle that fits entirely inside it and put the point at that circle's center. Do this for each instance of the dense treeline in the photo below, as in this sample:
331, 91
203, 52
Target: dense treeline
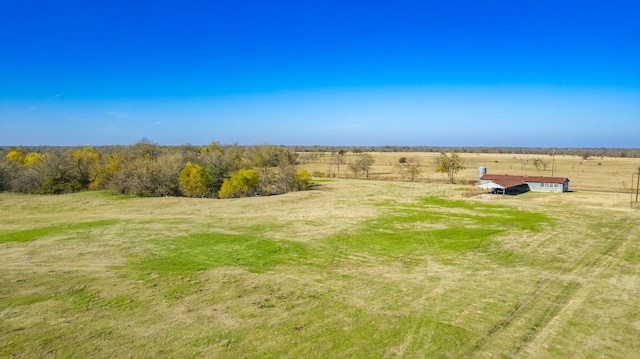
218, 171
147, 169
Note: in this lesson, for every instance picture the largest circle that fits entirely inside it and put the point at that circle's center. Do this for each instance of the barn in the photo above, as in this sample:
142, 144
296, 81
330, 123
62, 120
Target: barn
547, 184
508, 184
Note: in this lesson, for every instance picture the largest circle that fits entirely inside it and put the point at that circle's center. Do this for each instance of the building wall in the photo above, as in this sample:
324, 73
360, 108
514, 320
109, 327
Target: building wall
518, 189
539, 186
548, 187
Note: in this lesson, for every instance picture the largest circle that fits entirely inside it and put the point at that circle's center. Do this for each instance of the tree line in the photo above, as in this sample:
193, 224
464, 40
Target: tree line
147, 169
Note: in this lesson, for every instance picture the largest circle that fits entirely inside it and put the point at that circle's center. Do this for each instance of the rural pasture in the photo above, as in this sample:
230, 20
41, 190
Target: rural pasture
350, 269
594, 173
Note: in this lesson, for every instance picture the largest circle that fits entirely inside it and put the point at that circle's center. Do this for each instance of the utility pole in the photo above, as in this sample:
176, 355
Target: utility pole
631, 199
637, 185
553, 160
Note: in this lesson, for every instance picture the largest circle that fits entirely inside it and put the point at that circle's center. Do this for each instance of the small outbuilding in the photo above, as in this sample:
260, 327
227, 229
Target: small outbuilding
508, 184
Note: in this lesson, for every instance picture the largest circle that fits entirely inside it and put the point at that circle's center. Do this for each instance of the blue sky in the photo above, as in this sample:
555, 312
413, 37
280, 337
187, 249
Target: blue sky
455, 73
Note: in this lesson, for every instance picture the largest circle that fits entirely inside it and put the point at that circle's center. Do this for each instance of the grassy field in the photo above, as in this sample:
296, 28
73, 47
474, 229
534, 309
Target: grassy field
350, 269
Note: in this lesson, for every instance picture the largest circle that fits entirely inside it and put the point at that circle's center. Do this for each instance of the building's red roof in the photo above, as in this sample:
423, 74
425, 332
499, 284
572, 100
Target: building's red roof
545, 179
512, 181
509, 181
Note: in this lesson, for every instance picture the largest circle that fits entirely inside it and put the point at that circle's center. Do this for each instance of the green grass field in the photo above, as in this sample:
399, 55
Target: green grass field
351, 269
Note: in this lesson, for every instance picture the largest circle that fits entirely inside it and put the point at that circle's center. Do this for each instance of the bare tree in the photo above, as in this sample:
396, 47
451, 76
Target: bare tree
337, 158
362, 163
413, 168
539, 162
366, 161
449, 165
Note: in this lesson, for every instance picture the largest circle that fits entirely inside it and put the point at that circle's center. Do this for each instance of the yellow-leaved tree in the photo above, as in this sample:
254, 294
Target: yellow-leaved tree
241, 184
32, 158
15, 157
194, 181
303, 178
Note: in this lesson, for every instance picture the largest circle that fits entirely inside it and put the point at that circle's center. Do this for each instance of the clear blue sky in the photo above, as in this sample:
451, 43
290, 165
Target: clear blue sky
441, 73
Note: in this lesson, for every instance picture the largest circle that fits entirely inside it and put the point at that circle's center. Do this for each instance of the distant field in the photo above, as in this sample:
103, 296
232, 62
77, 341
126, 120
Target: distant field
351, 269
595, 173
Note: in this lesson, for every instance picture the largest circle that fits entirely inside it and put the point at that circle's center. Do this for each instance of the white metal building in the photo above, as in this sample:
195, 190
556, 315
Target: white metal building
518, 184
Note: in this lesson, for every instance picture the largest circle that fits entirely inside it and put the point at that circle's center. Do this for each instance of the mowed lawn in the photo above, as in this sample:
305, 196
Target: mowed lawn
350, 269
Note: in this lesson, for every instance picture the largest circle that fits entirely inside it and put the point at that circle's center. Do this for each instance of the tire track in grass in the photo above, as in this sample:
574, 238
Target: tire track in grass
418, 324
516, 313
561, 295
551, 312
606, 262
